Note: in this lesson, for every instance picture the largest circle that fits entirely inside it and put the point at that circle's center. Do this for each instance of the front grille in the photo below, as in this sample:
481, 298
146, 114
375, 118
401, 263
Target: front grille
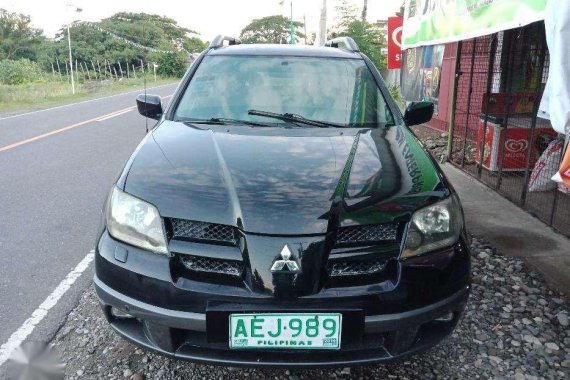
188, 229
211, 265
371, 233
356, 268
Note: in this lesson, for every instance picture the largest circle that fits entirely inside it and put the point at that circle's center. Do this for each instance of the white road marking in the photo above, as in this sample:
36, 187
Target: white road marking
28, 326
84, 101
118, 113
60, 130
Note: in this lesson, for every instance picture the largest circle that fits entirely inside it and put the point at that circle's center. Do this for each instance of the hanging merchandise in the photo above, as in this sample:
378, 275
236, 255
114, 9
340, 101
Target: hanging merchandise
555, 103
545, 167
564, 171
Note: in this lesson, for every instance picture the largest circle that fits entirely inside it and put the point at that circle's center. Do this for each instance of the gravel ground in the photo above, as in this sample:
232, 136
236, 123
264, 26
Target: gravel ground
434, 141
514, 327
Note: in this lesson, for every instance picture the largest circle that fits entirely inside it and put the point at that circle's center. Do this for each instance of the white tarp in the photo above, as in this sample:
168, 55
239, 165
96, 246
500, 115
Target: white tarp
555, 103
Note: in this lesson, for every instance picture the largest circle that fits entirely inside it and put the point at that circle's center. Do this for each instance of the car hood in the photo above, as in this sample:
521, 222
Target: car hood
283, 181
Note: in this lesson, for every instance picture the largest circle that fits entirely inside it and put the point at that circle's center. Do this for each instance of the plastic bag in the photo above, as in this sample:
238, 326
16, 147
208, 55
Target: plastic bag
546, 166
565, 170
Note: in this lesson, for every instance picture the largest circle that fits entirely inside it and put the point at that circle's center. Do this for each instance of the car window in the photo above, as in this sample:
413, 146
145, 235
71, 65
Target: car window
340, 91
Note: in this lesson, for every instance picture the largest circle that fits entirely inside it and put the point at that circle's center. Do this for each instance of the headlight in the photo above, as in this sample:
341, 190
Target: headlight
135, 221
434, 227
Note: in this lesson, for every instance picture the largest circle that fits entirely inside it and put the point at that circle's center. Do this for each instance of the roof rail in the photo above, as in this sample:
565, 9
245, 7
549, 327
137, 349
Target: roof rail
348, 43
218, 41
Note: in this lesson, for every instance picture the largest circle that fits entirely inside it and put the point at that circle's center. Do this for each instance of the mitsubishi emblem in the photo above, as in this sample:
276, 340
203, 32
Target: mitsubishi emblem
285, 265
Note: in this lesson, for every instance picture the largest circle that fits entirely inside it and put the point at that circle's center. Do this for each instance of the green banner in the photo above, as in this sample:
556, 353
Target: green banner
430, 22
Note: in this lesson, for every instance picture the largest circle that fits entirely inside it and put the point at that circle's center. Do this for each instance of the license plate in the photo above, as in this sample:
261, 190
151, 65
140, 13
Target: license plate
289, 331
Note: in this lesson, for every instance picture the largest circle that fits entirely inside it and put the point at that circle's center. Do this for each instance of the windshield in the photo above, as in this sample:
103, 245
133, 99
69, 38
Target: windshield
336, 91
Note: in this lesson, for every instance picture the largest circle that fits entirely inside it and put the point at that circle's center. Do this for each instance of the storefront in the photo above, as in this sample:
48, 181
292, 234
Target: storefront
488, 99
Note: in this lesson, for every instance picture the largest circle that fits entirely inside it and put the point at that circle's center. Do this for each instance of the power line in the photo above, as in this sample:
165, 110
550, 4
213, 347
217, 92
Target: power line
125, 40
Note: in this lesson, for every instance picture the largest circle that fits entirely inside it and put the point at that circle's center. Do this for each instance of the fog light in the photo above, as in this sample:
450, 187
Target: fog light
117, 313
445, 318
414, 240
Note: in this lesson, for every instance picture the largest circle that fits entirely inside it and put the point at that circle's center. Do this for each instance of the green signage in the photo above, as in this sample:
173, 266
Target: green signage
430, 22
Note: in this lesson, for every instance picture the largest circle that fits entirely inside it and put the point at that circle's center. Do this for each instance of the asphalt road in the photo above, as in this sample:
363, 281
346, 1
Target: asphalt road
57, 166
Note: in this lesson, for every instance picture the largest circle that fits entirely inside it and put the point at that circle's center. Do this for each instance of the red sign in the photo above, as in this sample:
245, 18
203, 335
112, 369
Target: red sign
394, 42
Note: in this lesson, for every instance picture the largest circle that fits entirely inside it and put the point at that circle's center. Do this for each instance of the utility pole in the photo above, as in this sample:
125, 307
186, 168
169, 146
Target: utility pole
70, 61
323, 25
70, 5
364, 10
305, 26
292, 27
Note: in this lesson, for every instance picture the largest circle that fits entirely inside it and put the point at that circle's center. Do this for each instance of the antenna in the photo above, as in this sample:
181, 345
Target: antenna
144, 77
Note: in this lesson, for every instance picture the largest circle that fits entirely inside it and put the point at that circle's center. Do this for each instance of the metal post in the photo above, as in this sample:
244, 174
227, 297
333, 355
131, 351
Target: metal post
451, 128
291, 27
305, 26
509, 100
468, 102
70, 60
490, 65
542, 59
323, 25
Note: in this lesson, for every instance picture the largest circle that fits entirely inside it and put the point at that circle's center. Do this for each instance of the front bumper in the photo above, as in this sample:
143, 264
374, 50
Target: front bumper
188, 319
182, 335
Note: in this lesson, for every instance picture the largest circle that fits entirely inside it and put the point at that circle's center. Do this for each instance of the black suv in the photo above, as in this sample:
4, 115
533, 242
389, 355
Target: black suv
282, 213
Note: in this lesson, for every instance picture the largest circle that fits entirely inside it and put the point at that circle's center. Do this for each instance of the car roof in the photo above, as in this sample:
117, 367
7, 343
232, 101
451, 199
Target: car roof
285, 50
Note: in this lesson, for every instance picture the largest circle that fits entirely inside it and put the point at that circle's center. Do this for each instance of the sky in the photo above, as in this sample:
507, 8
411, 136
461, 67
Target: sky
207, 17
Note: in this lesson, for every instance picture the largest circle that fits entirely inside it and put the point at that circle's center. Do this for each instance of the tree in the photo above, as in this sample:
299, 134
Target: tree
109, 40
128, 38
400, 13
146, 29
368, 36
194, 45
171, 65
18, 38
271, 30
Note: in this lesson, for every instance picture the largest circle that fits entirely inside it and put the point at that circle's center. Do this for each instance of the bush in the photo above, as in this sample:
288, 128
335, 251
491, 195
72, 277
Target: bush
20, 71
171, 65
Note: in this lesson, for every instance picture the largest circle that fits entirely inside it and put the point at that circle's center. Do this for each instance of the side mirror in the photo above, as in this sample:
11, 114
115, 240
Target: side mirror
418, 113
149, 106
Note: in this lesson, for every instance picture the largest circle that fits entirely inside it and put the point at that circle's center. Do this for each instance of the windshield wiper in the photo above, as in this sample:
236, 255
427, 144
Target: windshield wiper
223, 121
293, 118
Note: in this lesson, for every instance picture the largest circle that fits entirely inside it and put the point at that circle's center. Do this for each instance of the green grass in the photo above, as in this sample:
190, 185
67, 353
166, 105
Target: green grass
34, 96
